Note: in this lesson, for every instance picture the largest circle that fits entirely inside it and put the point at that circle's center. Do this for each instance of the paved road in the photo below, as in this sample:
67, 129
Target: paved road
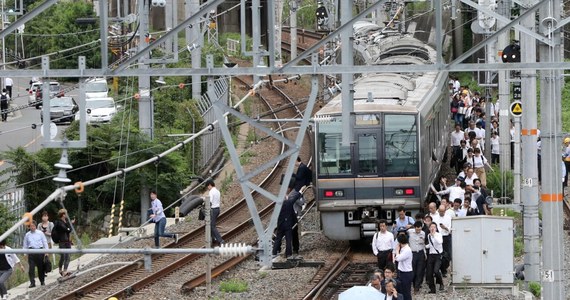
17, 131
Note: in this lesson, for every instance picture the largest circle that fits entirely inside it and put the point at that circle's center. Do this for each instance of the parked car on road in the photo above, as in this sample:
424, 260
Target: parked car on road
55, 90
96, 88
100, 110
62, 110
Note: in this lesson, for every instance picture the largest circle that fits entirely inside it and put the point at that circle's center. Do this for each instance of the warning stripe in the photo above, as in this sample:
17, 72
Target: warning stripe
551, 197
529, 131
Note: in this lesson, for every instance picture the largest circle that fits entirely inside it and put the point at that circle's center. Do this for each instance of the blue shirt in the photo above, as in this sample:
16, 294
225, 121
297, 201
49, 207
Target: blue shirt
399, 223
157, 210
35, 240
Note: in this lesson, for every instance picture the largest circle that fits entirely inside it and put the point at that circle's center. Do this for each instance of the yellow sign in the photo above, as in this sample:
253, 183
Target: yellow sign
516, 108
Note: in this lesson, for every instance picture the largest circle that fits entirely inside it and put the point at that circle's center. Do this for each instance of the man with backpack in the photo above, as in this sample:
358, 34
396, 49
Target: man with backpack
403, 222
60, 234
4, 98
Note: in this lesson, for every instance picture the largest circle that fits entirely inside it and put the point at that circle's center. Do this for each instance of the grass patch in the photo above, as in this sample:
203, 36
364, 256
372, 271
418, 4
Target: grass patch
263, 275
534, 288
519, 246
245, 158
226, 182
251, 137
234, 286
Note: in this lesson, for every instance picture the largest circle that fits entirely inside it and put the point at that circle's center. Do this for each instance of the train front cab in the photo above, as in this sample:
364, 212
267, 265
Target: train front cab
368, 180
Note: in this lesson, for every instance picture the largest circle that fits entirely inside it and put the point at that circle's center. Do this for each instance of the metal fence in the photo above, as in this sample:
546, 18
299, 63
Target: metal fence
210, 142
16, 205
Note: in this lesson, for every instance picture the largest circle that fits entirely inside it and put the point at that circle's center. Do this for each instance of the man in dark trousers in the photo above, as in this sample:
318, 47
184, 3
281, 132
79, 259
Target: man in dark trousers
4, 97
285, 222
303, 176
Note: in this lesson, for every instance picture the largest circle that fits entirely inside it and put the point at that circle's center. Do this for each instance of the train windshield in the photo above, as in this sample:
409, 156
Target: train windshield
401, 149
334, 159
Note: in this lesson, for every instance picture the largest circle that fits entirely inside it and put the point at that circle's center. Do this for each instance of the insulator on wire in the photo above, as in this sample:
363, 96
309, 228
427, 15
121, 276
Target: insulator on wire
234, 249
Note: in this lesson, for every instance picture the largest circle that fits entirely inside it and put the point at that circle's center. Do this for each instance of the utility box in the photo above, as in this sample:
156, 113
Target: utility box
482, 249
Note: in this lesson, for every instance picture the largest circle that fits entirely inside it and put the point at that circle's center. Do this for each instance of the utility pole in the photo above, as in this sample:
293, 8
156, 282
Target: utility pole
146, 113
194, 35
293, 5
552, 191
529, 193
256, 36
347, 80
504, 8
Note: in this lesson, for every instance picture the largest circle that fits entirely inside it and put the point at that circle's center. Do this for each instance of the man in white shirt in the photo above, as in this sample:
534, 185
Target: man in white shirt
405, 273
458, 210
382, 244
8, 83
434, 244
215, 201
455, 191
444, 227
418, 244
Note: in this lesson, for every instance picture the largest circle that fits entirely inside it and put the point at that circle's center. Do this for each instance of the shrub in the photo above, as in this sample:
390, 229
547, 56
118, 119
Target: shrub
534, 288
519, 246
234, 286
502, 183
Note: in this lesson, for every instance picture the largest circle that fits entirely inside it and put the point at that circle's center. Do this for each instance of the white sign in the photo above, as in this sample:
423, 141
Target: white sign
548, 276
52, 130
527, 182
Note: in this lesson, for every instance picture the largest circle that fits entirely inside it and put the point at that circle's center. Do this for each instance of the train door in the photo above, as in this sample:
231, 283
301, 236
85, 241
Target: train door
365, 159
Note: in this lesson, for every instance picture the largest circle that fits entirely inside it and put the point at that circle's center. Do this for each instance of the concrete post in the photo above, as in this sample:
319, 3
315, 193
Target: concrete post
529, 193
552, 194
347, 60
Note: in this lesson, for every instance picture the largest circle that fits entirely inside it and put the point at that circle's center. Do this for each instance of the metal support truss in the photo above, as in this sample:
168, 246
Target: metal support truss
244, 178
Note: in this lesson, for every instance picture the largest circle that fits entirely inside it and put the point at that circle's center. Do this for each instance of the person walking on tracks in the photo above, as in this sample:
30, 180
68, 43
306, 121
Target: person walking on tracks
8, 83
215, 202
405, 273
35, 239
382, 244
159, 219
287, 218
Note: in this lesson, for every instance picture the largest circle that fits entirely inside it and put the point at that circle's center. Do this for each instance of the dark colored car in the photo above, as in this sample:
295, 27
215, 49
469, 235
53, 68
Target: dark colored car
62, 110
55, 90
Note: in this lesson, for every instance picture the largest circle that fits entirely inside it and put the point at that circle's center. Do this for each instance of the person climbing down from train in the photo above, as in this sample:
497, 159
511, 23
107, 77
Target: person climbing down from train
403, 222
479, 163
455, 191
439, 185
285, 222
382, 244
304, 176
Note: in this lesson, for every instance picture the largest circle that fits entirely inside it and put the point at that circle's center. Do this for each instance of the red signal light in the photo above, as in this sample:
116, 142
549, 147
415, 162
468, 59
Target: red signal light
329, 193
408, 191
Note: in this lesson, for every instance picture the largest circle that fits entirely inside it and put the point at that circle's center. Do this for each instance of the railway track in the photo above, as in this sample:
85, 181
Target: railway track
130, 279
341, 273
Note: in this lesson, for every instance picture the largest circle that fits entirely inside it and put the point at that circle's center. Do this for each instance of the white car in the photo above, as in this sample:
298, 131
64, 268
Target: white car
99, 110
96, 88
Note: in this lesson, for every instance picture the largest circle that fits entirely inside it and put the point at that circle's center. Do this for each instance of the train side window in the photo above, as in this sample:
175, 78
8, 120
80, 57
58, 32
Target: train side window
333, 158
367, 154
401, 148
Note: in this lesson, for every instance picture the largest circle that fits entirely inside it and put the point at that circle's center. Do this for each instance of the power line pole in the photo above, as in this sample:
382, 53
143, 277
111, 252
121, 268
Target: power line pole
294, 5
146, 114
194, 35
529, 194
347, 79
552, 194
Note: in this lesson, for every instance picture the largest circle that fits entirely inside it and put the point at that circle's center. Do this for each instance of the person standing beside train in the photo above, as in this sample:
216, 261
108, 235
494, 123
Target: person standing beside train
382, 244
417, 239
404, 258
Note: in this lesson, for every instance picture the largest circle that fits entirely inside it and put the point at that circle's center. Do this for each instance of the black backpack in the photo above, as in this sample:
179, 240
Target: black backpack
55, 234
3, 97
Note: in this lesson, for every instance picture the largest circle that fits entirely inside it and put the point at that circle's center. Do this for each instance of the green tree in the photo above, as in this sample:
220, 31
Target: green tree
8, 219
55, 30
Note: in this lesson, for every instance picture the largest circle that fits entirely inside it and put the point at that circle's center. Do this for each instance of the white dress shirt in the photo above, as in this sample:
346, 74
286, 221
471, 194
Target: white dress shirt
404, 259
456, 137
215, 197
382, 241
35, 240
445, 220
417, 240
435, 243
455, 192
